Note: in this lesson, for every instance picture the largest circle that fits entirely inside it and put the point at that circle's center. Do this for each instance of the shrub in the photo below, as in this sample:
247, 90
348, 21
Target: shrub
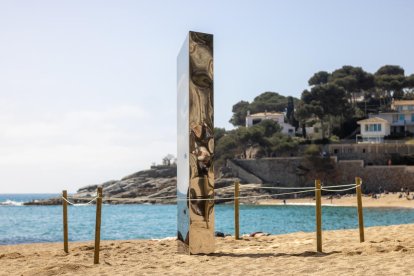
312, 150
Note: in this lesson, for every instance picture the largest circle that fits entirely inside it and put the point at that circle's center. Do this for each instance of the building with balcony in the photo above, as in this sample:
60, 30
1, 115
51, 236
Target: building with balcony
402, 119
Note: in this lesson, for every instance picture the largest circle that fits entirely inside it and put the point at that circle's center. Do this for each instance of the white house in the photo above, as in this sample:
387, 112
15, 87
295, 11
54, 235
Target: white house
252, 119
402, 119
373, 130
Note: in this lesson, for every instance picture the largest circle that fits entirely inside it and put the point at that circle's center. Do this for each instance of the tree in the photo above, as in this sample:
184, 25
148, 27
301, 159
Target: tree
409, 82
290, 112
239, 113
219, 133
390, 70
168, 159
303, 114
280, 143
409, 88
324, 101
318, 78
268, 101
243, 136
266, 128
225, 148
267, 134
390, 80
353, 80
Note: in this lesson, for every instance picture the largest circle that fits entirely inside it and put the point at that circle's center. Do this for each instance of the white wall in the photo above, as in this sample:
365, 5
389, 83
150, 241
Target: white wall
385, 130
280, 119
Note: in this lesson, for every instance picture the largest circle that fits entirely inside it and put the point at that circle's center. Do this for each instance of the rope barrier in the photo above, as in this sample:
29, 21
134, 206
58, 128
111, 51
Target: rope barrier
270, 195
318, 188
341, 190
205, 199
277, 188
141, 199
79, 204
291, 188
337, 186
246, 186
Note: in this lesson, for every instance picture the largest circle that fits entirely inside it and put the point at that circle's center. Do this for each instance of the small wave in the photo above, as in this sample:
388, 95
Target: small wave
11, 203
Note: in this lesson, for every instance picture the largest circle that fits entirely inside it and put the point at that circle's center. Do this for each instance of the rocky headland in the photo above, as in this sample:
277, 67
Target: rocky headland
156, 185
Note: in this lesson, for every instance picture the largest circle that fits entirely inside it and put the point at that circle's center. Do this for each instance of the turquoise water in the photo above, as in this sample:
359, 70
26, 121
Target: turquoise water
28, 224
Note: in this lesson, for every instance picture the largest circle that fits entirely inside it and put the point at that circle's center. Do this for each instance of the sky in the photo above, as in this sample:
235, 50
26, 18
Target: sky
88, 88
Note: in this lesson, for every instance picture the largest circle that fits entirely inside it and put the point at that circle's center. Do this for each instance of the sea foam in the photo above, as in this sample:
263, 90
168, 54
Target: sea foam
9, 202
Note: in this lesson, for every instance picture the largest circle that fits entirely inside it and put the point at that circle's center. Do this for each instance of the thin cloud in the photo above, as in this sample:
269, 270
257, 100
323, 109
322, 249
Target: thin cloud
82, 147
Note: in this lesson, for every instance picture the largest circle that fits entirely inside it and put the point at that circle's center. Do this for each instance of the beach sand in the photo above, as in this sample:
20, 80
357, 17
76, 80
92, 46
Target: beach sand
384, 200
387, 251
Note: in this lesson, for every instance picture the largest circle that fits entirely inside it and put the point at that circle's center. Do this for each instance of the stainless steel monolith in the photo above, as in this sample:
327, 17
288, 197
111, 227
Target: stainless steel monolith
195, 135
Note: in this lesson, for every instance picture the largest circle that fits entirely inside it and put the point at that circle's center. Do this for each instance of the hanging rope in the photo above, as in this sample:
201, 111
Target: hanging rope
341, 190
201, 199
246, 187
79, 204
337, 186
254, 186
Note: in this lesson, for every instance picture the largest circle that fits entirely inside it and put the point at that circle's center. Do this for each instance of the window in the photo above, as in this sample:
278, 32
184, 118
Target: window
401, 117
373, 127
363, 150
394, 118
256, 121
412, 117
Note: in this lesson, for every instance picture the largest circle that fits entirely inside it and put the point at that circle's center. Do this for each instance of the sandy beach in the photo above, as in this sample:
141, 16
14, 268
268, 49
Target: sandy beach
387, 251
384, 200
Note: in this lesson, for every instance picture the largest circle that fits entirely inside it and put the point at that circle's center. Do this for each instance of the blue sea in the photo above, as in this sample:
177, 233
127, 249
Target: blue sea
29, 224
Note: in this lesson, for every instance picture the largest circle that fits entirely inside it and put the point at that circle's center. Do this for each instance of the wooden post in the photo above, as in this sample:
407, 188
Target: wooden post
236, 211
360, 214
98, 225
65, 221
318, 215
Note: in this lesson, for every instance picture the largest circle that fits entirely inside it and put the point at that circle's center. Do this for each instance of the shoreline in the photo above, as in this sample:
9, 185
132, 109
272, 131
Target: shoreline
349, 200
388, 250
391, 200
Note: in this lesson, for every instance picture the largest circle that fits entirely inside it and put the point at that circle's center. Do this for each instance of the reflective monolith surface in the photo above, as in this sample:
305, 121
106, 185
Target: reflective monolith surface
195, 174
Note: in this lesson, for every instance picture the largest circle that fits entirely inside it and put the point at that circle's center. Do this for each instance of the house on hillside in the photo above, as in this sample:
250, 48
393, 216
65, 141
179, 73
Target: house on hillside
252, 119
373, 130
402, 119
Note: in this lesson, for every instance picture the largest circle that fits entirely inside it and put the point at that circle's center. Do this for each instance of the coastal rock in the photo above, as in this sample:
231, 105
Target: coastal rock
156, 185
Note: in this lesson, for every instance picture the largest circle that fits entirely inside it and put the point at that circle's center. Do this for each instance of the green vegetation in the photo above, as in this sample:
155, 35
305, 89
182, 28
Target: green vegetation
334, 101
266, 137
339, 99
312, 150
